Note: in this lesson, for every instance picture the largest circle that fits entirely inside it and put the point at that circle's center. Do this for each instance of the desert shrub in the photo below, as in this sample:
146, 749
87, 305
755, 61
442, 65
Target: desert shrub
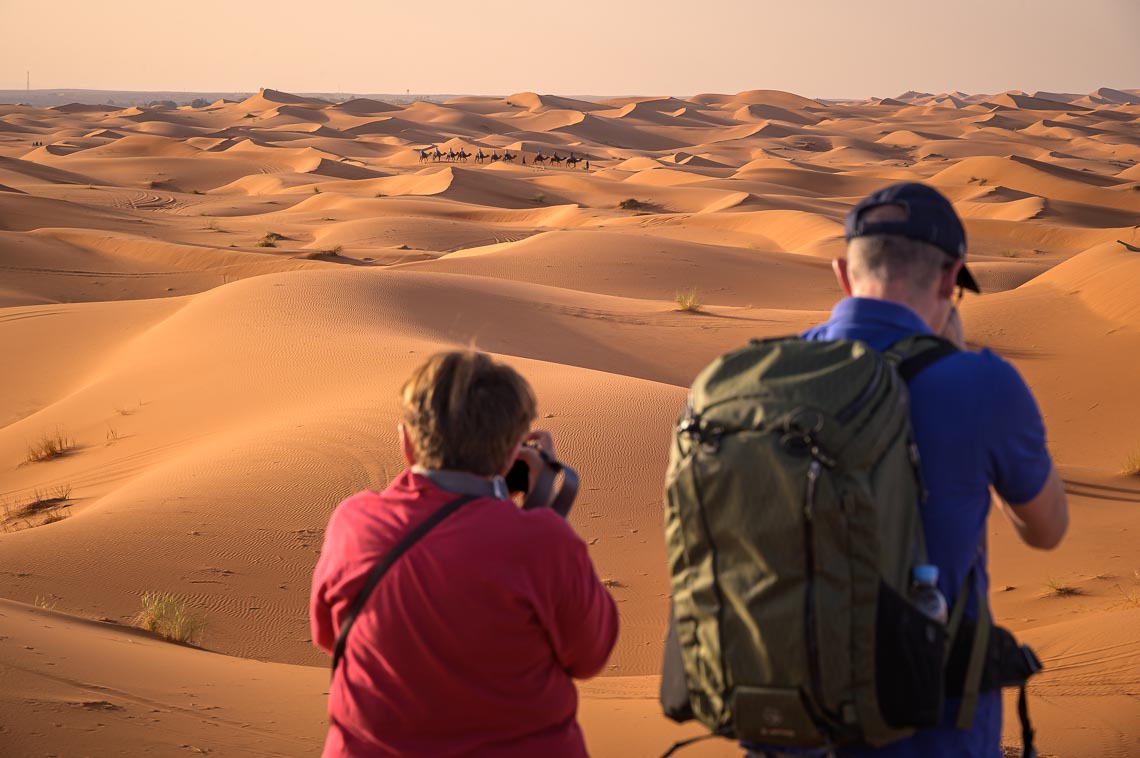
689, 302
270, 239
49, 446
539, 197
199, 102
630, 204
170, 617
334, 250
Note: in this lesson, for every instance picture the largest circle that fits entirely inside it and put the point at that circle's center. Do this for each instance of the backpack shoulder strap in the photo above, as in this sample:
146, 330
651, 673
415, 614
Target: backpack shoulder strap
385, 563
913, 354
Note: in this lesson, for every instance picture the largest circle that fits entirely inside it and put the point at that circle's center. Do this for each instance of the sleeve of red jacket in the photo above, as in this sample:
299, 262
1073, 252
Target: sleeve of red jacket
320, 595
581, 617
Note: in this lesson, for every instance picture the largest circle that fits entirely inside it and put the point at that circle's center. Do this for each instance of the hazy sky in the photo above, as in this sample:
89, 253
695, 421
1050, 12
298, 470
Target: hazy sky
818, 48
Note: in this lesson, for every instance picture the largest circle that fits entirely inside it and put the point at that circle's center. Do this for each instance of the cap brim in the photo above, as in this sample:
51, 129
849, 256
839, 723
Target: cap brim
966, 280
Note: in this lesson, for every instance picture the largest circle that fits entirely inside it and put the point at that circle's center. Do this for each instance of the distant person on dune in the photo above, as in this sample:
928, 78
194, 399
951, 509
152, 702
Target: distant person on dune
469, 644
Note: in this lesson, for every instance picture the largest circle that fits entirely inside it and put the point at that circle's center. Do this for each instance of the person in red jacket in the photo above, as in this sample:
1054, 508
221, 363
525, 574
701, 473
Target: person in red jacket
469, 644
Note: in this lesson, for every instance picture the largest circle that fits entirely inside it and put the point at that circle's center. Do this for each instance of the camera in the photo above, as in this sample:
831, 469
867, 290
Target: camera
518, 478
555, 488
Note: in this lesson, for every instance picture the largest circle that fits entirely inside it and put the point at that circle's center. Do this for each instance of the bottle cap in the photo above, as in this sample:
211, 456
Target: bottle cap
925, 573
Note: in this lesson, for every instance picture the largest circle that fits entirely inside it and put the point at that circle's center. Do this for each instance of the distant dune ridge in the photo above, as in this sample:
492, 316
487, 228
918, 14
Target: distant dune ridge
215, 305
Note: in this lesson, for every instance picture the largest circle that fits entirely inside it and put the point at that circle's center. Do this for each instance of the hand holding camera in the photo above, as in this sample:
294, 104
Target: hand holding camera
537, 472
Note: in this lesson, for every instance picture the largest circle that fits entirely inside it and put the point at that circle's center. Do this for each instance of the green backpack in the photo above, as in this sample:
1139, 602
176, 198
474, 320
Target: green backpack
792, 525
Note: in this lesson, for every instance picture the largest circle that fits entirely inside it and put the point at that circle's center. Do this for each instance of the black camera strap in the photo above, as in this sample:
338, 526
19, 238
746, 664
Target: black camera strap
543, 494
381, 568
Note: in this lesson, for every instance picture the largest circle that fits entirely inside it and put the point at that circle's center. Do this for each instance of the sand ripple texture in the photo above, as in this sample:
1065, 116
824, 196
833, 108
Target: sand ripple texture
213, 308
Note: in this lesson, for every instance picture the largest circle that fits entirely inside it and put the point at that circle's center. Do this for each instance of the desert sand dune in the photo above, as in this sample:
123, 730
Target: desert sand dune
215, 306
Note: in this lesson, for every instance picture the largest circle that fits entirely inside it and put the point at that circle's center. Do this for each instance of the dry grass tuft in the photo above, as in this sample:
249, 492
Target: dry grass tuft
1131, 465
1057, 588
688, 302
49, 446
1131, 596
170, 617
630, 204
46, 506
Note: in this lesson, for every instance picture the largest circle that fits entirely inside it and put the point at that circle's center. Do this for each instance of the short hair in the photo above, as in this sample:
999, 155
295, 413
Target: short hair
890, 258
465, 412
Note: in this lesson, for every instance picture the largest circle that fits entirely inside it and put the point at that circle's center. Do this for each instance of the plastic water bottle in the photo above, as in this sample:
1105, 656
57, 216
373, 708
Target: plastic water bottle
924, 592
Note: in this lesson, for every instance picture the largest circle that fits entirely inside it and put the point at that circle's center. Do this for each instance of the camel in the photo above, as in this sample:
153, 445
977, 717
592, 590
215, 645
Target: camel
437, 156
463, 155
495, 156
508, 157
556, 160
572, 161
425, 154
479, 156
540, 158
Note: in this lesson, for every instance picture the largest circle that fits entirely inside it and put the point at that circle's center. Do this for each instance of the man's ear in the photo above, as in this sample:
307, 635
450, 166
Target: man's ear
406, 445
839, 266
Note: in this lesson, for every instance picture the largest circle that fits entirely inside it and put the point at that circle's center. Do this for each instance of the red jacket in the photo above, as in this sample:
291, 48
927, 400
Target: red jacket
469, 645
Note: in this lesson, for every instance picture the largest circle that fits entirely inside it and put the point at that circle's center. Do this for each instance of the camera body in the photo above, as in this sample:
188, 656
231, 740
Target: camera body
518, 478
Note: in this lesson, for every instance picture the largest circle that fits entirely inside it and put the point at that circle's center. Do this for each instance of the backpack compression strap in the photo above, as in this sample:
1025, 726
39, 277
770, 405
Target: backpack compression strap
385, 563
971, 687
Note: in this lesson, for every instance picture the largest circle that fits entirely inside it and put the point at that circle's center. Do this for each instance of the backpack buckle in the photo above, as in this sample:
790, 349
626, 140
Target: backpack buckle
708, 437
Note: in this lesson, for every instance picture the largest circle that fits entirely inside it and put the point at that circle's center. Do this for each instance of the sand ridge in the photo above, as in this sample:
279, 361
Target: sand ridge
215, 306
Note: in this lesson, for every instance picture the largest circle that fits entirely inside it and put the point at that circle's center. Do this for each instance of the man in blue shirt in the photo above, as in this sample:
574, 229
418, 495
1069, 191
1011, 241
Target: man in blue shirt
975, 421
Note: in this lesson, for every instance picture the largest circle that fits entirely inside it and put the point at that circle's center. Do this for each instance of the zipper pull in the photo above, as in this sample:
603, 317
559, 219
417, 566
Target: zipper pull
809, 496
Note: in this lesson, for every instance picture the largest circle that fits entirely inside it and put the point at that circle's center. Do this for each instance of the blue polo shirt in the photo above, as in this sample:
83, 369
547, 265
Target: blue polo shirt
976, 425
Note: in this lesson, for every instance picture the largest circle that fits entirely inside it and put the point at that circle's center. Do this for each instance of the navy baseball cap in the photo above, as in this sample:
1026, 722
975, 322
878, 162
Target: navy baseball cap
930, 218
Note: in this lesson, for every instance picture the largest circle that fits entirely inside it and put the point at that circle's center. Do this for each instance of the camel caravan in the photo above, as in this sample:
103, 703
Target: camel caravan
433, 154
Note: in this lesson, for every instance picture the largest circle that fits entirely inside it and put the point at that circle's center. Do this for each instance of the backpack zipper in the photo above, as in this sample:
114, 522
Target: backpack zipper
809, 606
